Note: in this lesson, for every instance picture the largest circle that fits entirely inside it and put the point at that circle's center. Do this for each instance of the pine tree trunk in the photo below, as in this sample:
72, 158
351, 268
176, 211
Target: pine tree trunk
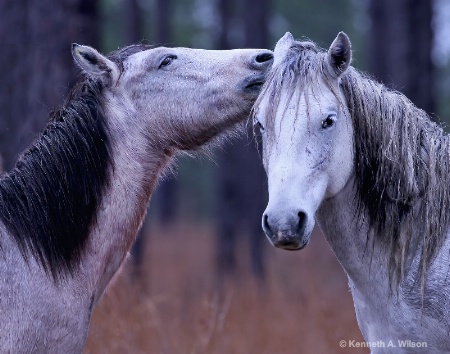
241, 177
37, 67
400, 48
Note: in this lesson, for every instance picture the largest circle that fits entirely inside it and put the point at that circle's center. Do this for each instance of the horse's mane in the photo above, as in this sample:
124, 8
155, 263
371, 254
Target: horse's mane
49, 200
402, 171
401, 159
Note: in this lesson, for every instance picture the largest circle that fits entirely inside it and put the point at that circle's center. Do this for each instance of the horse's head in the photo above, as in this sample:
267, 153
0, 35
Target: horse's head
180, 97
306, 135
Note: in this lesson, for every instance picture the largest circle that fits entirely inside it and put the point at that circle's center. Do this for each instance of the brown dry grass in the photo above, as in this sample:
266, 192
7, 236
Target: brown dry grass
176, 306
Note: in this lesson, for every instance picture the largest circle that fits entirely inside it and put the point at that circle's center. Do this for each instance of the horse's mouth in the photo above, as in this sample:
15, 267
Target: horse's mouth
292, 246
254, 84
289, 244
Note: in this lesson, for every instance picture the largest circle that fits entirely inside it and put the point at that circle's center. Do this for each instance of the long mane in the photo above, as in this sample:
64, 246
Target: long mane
401, 159
50, 199
402, 171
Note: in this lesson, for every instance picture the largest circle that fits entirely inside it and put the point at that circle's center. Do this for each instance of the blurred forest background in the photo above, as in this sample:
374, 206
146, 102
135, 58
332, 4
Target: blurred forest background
202, 277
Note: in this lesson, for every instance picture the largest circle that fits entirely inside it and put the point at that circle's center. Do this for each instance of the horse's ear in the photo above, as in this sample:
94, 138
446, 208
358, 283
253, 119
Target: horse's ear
282, 46
339, 56
94, 64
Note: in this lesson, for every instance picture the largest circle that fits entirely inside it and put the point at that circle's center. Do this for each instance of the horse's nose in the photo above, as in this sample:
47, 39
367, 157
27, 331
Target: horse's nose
285, 231
262, 59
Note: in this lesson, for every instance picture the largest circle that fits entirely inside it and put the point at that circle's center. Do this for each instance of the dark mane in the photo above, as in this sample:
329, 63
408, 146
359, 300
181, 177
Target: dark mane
401, 158
49, 200
402, 172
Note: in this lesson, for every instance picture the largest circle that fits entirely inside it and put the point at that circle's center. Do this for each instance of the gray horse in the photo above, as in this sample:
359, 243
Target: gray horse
74, 202
374, 171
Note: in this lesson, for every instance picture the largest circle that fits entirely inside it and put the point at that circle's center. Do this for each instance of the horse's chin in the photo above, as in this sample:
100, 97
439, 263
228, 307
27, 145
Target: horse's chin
294, 246
291, 242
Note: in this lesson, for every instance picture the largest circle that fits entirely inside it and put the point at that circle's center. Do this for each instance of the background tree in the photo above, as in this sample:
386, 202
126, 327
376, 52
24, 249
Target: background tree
401, 41
167, 195
162, 21
242, 194
133, 22
36, 63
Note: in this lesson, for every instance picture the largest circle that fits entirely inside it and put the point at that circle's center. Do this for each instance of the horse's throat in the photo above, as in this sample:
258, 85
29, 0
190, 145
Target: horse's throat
347, 233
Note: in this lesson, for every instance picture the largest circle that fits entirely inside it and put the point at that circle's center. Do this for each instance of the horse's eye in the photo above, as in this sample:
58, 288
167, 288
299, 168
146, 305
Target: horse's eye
167, 60
328, 121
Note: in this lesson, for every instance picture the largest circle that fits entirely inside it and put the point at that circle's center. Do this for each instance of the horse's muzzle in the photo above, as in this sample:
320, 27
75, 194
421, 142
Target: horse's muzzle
286, 232
260, 64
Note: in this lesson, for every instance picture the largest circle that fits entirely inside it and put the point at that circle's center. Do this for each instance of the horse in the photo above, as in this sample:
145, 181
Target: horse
71, 207
373, 170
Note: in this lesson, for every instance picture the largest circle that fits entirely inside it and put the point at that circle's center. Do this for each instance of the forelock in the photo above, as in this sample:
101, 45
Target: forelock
300, 68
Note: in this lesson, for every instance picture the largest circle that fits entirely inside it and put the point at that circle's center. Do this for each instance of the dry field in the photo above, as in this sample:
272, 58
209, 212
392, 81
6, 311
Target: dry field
174, 304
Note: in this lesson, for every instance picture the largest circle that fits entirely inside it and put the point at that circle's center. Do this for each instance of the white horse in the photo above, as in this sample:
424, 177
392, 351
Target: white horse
72, 206
374, 171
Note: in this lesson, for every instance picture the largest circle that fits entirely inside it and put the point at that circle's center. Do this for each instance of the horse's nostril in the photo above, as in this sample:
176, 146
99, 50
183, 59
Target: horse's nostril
301, 220
263, 57
266, 226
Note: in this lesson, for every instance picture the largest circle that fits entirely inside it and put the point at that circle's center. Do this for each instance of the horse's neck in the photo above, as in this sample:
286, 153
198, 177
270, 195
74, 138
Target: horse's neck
136, 167
362, 260
360, 254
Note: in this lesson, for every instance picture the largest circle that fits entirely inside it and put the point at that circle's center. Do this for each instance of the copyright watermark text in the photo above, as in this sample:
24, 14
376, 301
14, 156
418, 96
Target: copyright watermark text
401, 343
